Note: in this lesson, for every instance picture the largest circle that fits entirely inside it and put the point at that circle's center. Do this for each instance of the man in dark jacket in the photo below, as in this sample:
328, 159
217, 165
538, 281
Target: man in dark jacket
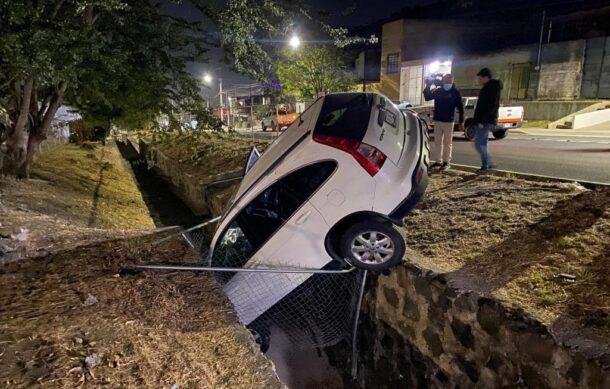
486, 115
446, 99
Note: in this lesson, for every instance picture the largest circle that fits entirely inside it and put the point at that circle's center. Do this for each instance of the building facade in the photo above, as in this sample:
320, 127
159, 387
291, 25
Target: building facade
548, 67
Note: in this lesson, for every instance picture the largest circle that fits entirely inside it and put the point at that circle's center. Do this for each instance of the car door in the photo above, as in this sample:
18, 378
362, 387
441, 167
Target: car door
278, 229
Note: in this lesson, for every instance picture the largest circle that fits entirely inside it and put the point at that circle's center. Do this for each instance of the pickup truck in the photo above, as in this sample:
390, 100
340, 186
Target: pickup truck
508, 117
285, 116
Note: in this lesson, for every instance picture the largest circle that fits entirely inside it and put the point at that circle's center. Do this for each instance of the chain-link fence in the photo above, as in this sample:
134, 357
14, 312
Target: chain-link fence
311, 307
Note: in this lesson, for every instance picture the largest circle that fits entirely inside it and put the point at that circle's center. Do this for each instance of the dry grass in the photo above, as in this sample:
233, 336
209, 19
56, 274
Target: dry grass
516, 236
205, 154
147, 330
88, 184
87, 195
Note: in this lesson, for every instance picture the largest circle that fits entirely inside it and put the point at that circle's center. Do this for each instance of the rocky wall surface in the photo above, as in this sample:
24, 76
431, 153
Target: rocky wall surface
206, 196
420, 332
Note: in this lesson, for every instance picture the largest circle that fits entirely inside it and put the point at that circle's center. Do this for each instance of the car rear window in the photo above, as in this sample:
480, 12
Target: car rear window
345, 115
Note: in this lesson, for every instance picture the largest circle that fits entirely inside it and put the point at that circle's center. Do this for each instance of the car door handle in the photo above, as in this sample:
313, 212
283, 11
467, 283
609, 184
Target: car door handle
303, 218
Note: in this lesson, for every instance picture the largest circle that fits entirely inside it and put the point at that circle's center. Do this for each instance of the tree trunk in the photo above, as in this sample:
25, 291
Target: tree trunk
17, 140
34, 141
37, 133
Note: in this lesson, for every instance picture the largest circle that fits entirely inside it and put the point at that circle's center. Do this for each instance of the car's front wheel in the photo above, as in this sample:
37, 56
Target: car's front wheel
373, 245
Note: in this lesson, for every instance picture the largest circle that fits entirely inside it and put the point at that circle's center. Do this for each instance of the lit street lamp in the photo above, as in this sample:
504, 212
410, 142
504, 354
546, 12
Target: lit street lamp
294, 42
207, 78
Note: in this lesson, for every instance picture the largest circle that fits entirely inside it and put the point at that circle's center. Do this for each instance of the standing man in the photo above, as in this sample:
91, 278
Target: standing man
486, 116
446, 99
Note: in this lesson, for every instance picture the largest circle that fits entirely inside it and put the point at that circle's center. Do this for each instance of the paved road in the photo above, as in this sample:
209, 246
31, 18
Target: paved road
577, 158
549, 153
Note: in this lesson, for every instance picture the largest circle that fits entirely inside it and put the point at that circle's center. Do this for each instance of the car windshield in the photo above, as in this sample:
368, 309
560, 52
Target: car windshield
345, 115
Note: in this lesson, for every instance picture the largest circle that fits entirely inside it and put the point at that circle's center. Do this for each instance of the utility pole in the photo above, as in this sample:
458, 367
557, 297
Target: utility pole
222, 107
540, 43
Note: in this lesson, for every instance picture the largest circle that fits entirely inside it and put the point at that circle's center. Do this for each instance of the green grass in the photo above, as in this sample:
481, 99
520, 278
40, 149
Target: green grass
536, 124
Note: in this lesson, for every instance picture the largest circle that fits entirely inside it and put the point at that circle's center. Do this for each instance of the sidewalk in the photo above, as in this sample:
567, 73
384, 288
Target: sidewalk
598, 131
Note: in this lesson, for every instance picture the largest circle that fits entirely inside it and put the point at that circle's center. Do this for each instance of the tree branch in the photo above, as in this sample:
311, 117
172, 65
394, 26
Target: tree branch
54, 105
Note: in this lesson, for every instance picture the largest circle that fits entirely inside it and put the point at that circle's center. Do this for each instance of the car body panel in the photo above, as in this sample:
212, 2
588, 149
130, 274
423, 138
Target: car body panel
299, 242
388, 138
302, 231
281, 146
395, 183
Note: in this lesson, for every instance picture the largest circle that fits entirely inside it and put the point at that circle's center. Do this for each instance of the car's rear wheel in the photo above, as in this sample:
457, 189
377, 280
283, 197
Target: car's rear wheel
372, 245
500, 134
263, 126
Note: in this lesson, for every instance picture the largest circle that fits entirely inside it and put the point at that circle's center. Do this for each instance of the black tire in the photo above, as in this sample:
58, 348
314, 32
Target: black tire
263, 127
364, 230
469, 131
500, 134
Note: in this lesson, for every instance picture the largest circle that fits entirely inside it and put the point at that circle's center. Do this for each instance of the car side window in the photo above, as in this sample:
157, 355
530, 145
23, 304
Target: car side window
265, 215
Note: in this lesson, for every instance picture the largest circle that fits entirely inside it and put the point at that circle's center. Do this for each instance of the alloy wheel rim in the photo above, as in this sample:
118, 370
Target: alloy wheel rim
372, 247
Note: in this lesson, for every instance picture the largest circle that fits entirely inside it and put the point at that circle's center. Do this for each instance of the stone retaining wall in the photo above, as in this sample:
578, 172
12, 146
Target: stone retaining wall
207, 196
420, 332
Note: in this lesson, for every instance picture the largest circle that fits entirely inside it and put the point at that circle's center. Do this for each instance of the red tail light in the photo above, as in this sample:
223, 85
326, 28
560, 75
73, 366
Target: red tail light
370, 158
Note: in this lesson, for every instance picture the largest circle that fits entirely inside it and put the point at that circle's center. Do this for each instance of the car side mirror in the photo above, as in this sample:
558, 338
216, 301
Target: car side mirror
252, 158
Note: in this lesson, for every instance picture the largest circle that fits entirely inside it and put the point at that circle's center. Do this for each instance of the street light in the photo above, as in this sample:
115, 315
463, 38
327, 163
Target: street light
294, 42
207, 78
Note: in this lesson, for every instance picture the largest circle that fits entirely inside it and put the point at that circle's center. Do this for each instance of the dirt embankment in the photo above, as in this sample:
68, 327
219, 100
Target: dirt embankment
78, 194
75, 313
542, 247
202, 153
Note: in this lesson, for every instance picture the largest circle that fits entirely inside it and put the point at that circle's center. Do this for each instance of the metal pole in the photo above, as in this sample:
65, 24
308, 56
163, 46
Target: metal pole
540, 42
548, 40
243, 269
251, 114
355, 332
222, 108
214, 220
277, 124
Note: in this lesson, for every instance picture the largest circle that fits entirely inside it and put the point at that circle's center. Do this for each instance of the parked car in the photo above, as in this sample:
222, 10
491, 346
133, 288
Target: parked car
281, 119
325, 193
508, 117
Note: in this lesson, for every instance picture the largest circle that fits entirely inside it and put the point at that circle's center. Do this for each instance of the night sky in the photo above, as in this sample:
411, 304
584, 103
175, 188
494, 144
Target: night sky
363, 12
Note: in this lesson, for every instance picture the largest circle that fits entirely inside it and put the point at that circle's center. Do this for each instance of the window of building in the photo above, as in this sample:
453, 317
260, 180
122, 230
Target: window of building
393, 65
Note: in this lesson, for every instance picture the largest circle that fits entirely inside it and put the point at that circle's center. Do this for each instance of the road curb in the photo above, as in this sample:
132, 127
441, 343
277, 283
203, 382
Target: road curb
532, 177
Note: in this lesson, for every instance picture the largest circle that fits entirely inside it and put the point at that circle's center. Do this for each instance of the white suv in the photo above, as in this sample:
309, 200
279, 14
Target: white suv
326, 192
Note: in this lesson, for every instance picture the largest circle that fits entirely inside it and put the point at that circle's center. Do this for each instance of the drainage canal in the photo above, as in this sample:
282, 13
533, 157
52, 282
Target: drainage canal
297, 368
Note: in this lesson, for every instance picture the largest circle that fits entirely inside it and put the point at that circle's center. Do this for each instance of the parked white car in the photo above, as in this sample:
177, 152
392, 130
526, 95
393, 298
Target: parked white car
326, 192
